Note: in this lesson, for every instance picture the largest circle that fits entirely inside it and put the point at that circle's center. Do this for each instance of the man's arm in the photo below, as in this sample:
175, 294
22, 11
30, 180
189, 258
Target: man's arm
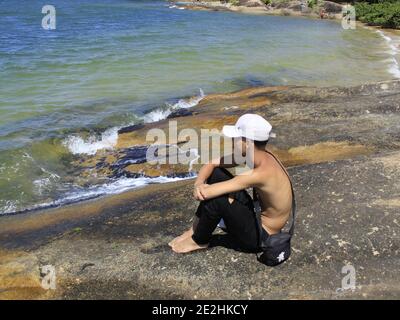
235, 184
206, 170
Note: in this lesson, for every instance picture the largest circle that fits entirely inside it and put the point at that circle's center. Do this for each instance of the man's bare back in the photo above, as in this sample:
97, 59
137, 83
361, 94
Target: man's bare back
275, 195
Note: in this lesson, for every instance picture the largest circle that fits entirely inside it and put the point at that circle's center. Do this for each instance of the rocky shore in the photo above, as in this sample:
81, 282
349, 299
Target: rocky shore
331, 10
342, 150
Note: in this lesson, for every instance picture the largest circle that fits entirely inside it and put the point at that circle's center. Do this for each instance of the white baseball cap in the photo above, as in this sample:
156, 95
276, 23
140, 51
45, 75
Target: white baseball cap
251, 126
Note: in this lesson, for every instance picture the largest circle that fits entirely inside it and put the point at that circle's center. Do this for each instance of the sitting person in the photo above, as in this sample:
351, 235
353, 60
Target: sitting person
223, 196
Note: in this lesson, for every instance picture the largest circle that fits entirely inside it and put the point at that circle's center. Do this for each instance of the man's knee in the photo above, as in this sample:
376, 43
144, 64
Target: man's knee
214, 205
218, 175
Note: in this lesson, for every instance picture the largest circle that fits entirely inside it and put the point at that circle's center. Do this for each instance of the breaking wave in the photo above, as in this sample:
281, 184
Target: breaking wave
89, 146
163, 113
109, 138
394, 52
78, 145
81, 194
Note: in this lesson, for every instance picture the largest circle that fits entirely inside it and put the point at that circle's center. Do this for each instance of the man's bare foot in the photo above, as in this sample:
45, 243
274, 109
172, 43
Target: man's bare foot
186, 245
187, 233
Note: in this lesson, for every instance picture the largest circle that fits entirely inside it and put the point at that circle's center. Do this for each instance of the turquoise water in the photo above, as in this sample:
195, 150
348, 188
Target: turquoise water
111, 62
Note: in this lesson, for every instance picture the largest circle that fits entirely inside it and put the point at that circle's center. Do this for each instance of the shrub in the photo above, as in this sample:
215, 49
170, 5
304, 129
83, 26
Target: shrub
312, 3
385, 14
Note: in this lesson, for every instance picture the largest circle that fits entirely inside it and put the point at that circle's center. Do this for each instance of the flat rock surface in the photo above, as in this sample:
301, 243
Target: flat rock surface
348, 213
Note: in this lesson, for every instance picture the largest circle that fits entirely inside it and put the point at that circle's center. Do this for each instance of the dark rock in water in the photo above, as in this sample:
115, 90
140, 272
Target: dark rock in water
132, 155
101, 164
247, 81
134, 163
121, 173
130, 128
184, 112
181, 175
332, 7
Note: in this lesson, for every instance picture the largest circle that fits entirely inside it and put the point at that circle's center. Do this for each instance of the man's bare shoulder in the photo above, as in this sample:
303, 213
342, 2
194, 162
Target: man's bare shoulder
261, 175
268, 164
269, 168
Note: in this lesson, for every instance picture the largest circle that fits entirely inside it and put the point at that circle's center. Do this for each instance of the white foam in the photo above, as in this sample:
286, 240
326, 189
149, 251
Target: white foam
395, 68
45, 183
394, 51
156, 115
41, 185
115, 187
78, 145
109, 138
121, 185
9, 207
384, 36
162, 113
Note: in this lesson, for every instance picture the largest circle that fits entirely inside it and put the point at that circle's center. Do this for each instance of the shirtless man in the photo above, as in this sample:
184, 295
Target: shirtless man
223, 196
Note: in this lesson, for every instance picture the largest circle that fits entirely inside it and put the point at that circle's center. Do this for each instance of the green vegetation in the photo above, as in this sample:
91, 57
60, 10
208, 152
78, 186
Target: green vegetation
312, 3
234, 2
379, 13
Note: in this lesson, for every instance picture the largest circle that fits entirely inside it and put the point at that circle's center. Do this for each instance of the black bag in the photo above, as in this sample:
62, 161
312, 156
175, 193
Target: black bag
275, 248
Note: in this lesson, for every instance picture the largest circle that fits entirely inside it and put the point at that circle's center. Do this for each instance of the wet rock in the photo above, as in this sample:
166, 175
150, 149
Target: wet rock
183, 112
132, 155
130, 128
332, 7
338, 122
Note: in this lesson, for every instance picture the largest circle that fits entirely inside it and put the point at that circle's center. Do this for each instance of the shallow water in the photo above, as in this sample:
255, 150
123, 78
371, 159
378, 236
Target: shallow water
112, 63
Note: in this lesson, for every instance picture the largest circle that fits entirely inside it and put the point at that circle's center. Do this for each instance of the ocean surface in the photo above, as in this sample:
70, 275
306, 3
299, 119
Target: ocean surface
113, 63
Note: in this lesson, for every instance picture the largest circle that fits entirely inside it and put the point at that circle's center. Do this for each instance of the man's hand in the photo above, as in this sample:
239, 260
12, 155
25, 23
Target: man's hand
198, 191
